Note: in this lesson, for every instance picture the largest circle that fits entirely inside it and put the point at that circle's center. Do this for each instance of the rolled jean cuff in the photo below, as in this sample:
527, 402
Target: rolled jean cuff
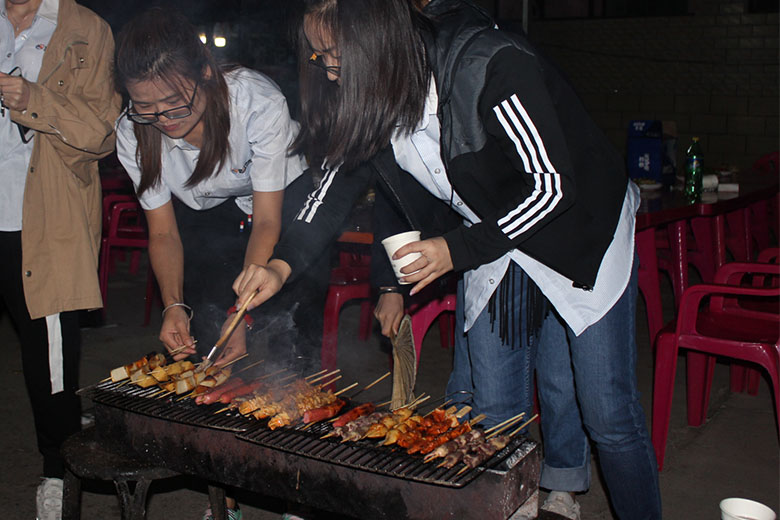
573, 480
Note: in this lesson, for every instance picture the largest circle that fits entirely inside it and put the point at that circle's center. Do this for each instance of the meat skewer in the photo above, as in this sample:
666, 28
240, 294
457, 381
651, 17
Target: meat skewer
456, 448
474, 454
303, 397
417, 428
426, 445
328, 411
358, 411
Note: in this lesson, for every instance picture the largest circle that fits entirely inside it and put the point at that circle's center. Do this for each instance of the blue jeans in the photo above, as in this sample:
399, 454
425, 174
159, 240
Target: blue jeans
587, 388
498, 376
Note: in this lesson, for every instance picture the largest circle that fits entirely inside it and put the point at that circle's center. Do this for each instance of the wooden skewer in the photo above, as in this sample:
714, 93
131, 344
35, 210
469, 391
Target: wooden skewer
375, 382
323, 385
239, 358
250, 366
386, 403
325, 376
353, 385
273, 373
316, 374
526, 423
285, 378
181, 349
503, 428
511, 420
465, 468
417, 402
463, 411
478, 419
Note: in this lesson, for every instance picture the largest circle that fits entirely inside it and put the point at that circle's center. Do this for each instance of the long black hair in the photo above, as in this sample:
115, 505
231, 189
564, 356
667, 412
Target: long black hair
384, 78
162, 44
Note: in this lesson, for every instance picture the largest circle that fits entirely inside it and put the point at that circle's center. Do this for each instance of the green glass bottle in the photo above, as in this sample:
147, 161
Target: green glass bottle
693, 171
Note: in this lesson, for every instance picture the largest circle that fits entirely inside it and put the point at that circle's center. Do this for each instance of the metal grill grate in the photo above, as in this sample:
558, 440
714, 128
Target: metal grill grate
369, 456
144, 401
364, 455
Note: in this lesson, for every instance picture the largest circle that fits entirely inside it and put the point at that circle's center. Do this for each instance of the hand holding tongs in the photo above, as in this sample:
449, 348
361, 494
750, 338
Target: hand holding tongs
222, 341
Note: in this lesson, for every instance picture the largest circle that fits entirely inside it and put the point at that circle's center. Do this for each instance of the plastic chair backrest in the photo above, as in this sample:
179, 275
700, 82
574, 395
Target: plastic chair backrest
692, 298
745, 274
108, 203
126, 217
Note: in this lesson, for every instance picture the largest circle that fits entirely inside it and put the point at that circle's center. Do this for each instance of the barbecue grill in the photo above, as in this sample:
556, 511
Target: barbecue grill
360, 479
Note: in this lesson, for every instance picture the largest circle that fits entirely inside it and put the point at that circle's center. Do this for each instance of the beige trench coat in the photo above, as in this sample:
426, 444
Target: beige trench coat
73, 108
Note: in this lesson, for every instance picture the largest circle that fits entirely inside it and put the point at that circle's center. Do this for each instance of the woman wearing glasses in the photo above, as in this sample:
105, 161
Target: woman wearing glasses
446, 100
207, 150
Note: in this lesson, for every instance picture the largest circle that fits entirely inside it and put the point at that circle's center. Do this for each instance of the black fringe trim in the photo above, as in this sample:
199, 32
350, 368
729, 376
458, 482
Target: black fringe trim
502, 306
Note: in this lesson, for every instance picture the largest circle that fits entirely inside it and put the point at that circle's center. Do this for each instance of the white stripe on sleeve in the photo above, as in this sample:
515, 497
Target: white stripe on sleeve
546, 195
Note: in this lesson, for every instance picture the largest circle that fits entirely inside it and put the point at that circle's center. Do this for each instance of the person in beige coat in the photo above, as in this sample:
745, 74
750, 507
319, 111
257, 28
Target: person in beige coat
58, 112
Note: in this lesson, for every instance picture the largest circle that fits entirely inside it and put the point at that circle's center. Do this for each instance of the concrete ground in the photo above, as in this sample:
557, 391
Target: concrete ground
734, 454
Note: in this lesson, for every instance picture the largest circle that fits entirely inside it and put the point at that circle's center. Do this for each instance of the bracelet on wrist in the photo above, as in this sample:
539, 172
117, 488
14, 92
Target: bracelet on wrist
178, 304
247, 318
388, 290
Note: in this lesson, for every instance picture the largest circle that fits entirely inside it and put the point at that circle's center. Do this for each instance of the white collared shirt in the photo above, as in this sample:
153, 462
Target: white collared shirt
25, 52
420, 154
260, 133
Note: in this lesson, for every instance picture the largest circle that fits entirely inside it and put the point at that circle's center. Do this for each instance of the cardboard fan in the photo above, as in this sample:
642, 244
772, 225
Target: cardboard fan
404, 364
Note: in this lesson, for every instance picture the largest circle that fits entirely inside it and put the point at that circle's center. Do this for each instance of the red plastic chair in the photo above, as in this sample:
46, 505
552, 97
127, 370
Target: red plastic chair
746, 378
647, 280
348, 281
424, 315
724, 327
126, 229
109, 200
700, 252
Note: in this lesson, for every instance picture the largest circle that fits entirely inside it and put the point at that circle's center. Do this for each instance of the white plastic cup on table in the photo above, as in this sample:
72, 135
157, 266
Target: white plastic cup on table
709, 182
396, 242
744, 509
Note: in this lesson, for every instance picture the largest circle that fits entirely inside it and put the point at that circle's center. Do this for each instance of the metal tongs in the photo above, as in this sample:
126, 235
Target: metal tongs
222, 341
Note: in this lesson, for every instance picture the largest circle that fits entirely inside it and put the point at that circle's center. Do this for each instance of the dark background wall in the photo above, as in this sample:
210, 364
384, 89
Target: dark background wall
709, 66
713, 71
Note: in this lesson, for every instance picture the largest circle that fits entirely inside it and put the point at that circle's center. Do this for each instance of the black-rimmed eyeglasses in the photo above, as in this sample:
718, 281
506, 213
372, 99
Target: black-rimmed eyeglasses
317, 61
172, 113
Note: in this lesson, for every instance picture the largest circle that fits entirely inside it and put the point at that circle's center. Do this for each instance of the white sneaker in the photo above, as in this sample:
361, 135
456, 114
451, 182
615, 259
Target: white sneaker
562, 503
48, 499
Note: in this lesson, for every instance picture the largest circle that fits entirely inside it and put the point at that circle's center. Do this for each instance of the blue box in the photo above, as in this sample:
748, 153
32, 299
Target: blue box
645, 150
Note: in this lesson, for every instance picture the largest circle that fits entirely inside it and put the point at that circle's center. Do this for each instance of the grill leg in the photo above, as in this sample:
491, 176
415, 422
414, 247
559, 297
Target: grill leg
217, 502
71, 497
132, 505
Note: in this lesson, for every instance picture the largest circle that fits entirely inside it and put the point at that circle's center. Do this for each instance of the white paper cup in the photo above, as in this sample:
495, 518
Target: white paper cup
396, 242
744, 509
